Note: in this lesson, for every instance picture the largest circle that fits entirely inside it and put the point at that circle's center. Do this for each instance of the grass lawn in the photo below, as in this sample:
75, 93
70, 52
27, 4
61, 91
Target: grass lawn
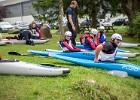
70, 87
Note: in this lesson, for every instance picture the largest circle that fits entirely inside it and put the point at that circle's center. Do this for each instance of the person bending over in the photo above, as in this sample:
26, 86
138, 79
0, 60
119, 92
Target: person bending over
107, 51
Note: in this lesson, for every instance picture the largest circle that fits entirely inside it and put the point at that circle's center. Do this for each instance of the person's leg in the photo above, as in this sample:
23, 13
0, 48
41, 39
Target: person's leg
74, 35
27, 36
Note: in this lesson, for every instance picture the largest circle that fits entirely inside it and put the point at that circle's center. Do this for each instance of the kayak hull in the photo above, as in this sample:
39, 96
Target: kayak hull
14, 41
2, 43
122, 44
82, 55
131, 69
124, 54
24, 68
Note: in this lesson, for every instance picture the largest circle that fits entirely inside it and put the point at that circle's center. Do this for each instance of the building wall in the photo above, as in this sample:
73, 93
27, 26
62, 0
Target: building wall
19, 10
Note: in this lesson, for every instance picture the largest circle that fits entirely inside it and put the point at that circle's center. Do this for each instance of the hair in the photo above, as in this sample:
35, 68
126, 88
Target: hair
73, 2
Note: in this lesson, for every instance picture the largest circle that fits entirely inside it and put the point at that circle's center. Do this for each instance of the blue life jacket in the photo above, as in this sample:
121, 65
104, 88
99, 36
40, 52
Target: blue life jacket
102, 37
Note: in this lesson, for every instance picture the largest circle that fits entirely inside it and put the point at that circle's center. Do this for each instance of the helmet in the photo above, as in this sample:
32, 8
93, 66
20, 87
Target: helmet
102, 27
116, 36
94, 31
68, 33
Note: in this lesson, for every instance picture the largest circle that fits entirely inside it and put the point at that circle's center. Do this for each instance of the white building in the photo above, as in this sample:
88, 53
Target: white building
18, 10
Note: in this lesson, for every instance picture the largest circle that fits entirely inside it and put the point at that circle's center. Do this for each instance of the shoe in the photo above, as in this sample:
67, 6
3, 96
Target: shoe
32, 43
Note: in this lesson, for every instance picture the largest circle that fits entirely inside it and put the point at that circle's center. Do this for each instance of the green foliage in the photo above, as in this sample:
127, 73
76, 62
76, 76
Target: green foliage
47, 10
71, 86
93, 91
136, 26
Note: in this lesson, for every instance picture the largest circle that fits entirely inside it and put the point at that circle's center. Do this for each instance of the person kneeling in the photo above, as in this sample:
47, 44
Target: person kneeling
107, 51
67, 45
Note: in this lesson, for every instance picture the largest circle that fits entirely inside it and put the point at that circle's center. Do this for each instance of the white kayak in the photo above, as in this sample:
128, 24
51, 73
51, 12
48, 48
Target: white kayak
15, 41
123, 44
2, 43
124, 54
16, 67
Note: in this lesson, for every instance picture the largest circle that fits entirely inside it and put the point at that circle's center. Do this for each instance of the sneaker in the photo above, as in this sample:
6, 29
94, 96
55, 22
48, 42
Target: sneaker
32, 43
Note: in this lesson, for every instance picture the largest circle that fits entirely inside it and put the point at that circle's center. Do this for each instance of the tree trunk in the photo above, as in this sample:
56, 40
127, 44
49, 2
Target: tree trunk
94, 21
60, 20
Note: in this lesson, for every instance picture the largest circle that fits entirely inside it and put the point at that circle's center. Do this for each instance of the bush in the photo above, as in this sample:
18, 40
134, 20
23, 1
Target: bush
135, 26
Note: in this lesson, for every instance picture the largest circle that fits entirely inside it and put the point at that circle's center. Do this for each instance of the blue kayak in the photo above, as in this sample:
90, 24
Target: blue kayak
131, 69
82, 55
81, 46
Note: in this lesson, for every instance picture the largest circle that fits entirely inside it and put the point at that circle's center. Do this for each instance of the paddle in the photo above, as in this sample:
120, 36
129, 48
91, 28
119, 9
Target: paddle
18, 54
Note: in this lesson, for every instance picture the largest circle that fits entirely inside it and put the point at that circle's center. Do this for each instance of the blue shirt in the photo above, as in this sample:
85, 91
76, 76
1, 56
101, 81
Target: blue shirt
70, 11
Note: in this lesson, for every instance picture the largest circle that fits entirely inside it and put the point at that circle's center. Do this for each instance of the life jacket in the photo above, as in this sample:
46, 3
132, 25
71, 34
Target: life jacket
67, 46
65, 49
82, 38
89, 43
102, 37
108, 55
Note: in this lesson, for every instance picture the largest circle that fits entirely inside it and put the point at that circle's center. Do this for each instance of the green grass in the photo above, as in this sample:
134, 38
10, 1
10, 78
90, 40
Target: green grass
67, 87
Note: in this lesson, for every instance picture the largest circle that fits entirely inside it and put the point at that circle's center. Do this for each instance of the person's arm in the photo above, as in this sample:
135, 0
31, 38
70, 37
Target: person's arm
74, 49
98, 49
98, 38
38, 30
71, 22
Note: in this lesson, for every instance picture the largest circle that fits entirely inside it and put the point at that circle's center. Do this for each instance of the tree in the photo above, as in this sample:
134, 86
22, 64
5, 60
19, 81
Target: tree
48, 9
60, 19
2, 13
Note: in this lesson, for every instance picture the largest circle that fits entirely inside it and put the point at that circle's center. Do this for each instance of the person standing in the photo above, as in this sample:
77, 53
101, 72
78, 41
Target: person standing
72, 20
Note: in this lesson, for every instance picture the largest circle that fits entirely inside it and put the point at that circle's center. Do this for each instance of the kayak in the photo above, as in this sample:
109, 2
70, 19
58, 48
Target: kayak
16, 67
131, 69
122, 44
82, 55
2, 43
124, 54
15, 41
81, 46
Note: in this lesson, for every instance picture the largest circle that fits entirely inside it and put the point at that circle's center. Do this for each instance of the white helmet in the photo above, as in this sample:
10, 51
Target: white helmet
102, 27
94, 31
68, 33
116, 36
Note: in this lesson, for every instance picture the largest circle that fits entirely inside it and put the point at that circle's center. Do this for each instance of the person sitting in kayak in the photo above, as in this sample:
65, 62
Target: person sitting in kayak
89, 43
108, 50
82, 38
25, 35
67, 45
35, 31
101, 36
